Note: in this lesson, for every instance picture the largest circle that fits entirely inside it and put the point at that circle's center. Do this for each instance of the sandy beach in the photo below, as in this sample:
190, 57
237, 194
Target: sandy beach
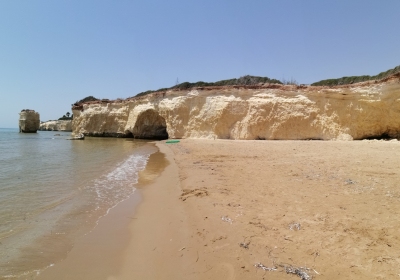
199, 140
213, 209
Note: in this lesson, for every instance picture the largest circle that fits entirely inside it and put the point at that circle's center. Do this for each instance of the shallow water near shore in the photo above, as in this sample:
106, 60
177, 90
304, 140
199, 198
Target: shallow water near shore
53, 190
102, 252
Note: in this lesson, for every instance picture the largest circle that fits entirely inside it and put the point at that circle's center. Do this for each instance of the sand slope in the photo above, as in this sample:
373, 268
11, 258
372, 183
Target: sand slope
344, 196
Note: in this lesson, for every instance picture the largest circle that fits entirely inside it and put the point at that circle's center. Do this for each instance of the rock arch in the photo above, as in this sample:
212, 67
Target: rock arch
150, 125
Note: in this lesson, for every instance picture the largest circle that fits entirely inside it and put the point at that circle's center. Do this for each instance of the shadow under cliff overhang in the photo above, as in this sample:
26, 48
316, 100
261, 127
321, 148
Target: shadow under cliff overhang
150, 125
383, 136
127, 134
388, 134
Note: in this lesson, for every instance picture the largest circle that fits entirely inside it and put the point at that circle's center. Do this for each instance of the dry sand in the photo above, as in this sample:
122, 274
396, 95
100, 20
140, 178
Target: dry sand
332, 207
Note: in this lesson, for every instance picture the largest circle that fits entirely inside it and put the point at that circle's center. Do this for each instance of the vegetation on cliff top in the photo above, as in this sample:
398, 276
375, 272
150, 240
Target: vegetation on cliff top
79, 104
245, 80
254, 80
67, 117
86, 99
356, 79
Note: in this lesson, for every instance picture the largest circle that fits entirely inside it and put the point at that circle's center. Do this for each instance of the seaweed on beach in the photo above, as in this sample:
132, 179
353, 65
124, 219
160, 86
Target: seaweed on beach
294, 226
299, 271
226, 219
302, 272
263, 267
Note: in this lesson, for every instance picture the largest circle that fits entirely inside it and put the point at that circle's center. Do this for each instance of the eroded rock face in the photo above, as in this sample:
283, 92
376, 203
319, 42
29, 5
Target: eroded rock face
60, 125
265, 112
29, 121
105, 120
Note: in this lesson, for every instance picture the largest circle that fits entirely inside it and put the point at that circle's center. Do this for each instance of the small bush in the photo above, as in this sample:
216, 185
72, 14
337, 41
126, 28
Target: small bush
64, 118
290, 82
86, 99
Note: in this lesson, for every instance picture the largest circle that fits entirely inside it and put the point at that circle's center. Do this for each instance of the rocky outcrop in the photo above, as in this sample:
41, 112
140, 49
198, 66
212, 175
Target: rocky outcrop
29, 121
268, 111
59, 125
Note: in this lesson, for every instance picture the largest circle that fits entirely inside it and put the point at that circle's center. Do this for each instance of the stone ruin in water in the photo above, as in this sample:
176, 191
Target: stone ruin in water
29, 121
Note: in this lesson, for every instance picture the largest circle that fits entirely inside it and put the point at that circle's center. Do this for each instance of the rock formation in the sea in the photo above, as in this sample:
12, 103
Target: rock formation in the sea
29, 121
59, 125
263, 111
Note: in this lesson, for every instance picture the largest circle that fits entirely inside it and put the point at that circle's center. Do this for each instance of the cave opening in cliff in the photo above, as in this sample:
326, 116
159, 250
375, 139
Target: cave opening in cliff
150, 125
383, 136
128, 134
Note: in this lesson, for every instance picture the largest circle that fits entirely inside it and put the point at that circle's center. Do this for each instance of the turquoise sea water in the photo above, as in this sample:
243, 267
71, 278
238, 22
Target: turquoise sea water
53, 190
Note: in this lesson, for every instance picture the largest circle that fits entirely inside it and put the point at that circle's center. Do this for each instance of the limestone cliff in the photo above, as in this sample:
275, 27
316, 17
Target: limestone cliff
28, 121
266, 111
59, 125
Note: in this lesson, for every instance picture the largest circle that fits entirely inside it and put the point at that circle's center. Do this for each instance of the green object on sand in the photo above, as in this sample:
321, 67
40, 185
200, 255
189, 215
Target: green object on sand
172, 142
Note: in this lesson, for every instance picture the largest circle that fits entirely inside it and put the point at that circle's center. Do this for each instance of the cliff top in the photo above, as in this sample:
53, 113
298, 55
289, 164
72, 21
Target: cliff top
242, 81
269, 84
357, 79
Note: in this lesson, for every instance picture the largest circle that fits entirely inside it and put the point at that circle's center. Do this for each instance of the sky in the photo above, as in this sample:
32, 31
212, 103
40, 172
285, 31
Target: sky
53, 53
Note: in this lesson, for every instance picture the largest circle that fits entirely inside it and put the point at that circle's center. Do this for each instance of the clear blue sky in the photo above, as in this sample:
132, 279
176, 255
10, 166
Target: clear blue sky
53, 53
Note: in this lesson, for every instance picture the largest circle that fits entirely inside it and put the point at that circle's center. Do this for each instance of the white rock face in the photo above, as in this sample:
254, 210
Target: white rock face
59, 125
267, 112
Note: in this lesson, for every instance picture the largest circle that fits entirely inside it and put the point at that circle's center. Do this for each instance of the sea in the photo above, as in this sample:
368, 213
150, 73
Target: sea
53, 190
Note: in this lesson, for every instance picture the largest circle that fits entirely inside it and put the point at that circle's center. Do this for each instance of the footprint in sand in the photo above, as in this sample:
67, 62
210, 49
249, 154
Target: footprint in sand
224, 271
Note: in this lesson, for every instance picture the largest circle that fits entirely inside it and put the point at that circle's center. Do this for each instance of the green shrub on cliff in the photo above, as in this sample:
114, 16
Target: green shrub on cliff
89, 98
66, 117
86, 99
151, 91
245, 80
356, 79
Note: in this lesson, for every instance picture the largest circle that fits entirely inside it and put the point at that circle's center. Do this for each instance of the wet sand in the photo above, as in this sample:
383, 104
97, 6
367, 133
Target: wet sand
100, 253
97, 255
220, 207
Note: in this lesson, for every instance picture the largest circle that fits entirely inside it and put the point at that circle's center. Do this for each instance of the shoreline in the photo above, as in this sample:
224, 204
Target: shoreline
100, 253
159, 247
